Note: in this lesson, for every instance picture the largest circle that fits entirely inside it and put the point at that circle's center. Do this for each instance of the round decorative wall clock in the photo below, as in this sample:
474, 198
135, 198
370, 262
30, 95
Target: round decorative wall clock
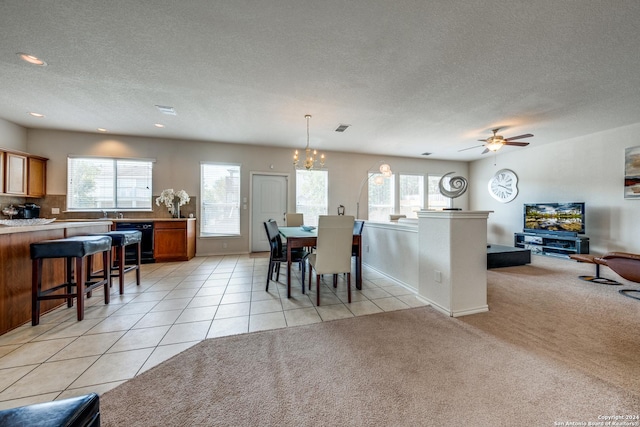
503, 186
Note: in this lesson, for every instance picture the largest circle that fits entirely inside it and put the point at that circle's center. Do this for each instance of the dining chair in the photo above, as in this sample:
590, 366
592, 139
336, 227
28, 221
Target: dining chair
294, 219
333, 250
278, 253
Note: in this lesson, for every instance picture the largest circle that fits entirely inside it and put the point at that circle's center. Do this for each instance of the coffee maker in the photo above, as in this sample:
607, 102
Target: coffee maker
28, 211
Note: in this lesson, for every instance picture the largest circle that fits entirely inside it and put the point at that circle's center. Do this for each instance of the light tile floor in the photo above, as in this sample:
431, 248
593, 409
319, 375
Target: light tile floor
176, 306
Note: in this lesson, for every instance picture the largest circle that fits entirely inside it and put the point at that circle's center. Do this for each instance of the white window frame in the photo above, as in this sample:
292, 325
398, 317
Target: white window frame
147, 163
414, 213
208, 230
311, 216
438, 201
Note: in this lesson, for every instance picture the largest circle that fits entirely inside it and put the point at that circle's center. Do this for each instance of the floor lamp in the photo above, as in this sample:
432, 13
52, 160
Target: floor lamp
384, 172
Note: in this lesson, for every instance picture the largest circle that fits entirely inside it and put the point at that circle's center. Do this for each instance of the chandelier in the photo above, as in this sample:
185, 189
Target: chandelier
310, 159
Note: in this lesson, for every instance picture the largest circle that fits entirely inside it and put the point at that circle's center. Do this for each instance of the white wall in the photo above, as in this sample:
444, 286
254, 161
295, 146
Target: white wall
178, 166
12, 136
587, 169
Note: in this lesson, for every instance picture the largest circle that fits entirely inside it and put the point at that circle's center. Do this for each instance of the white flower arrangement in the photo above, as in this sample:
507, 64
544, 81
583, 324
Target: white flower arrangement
170, 197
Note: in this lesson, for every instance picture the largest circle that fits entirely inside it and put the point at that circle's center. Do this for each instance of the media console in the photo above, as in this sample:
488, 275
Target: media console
558, 245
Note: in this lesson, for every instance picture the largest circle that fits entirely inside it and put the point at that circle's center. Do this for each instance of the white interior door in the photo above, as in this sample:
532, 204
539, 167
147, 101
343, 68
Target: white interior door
268, 201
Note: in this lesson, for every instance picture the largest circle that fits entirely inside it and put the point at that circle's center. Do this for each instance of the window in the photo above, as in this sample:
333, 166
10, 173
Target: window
220, 195
411, 195
312, 194
381, 197
106, 183
436, 199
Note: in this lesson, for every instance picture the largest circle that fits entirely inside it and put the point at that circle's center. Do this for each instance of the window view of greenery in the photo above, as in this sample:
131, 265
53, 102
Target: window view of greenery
312, 192
411, 195
220, 195
436, 199
103, 183
381, 197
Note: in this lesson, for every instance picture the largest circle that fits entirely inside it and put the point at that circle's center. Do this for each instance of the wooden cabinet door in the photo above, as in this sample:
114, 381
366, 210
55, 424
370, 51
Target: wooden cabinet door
170, 241
16, 174
2, 155
37, 173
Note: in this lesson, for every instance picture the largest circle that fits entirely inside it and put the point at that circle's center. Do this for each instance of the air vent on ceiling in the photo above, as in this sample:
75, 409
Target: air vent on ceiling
166, 110
426, 154
342, 128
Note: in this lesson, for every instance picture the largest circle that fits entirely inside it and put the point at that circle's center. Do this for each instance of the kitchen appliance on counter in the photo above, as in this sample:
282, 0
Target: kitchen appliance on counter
146, 244
28, 211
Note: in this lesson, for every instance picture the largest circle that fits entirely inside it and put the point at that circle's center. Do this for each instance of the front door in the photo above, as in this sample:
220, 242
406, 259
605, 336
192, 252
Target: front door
268, 201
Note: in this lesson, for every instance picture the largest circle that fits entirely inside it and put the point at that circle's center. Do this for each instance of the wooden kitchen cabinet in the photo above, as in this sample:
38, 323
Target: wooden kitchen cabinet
174, 240
37, 176
1, 171
15, 174
22, 174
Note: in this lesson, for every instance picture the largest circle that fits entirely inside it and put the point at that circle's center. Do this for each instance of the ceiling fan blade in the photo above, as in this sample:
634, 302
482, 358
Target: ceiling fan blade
517, 144
526, 135
486, 150
471, 148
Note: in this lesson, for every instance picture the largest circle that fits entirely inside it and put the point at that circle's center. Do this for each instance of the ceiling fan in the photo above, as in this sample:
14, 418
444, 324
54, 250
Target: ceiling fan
495, 142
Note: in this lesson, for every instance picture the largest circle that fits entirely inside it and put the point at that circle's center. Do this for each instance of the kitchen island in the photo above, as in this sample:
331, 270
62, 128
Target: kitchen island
15, 270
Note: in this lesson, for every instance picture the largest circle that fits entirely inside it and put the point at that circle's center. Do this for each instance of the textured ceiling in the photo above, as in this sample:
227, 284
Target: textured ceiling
409, 76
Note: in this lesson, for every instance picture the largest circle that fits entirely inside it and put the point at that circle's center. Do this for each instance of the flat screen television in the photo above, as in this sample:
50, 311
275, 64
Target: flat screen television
554, 217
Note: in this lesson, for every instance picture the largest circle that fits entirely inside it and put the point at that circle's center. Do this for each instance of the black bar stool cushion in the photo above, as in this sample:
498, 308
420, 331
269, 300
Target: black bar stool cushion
77, 246
122, 237
74, 412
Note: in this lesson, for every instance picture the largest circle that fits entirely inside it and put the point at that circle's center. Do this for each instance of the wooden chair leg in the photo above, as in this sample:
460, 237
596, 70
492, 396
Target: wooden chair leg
318, 290
349, 287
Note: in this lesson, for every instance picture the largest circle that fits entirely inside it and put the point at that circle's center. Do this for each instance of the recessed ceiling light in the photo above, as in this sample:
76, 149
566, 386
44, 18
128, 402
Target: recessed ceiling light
31, 59
159, 125
102, 130
38, 115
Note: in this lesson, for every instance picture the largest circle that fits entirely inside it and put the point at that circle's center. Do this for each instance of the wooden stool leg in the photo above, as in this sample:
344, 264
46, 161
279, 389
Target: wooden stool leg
36, 281
138, 258
121, 261
80, 287
69, 273
106, 260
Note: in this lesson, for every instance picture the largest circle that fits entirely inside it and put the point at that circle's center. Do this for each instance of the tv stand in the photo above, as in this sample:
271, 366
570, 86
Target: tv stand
551, 244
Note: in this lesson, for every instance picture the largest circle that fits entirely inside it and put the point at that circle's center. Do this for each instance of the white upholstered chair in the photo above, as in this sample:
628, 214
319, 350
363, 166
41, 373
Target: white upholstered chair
333, 250
294, 219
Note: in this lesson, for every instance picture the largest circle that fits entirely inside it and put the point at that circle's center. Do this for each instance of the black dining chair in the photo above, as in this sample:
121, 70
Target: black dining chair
278, 253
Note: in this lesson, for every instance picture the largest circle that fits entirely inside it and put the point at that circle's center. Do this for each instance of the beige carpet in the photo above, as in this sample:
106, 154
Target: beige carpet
552, 349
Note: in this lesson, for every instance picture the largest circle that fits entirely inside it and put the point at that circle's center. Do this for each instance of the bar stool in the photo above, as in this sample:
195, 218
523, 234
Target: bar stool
70, 248
119, 240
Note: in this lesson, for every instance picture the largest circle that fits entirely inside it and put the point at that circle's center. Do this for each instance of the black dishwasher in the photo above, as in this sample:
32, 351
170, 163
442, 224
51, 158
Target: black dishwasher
146, 245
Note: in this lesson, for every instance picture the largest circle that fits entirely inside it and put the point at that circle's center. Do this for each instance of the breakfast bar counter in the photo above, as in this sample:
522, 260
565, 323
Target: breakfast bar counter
15, 270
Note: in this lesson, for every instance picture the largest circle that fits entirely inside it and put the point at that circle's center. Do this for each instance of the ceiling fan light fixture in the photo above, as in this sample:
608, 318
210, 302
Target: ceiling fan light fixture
494, 145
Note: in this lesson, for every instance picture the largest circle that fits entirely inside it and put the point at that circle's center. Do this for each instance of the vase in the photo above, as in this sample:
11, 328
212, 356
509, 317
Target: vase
176, 209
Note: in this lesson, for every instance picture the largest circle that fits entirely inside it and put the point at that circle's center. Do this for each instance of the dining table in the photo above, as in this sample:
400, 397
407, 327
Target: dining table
299, 237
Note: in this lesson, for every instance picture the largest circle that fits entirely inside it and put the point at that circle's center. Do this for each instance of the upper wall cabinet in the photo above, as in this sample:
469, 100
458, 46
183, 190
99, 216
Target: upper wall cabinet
22, 174
37, 177
15, 174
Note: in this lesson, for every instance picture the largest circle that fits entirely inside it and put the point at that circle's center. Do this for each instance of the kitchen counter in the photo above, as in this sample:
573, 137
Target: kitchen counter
63, 224
15, 274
